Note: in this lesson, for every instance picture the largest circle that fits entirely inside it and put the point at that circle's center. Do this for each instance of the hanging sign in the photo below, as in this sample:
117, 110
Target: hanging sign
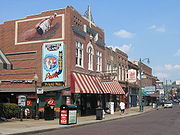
53, 62
21, 100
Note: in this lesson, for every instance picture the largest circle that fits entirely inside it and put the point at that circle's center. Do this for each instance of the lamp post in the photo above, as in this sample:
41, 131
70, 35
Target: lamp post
141, 107
36, 106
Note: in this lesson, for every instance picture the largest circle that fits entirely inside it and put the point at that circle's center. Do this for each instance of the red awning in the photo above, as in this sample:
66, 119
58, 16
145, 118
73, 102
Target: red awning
111, 87
82, 83
156, 95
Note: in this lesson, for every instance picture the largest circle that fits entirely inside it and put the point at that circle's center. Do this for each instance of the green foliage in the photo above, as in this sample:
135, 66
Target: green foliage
10, 110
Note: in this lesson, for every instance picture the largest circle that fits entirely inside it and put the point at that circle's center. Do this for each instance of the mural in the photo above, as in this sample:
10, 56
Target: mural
40, 29
53, 62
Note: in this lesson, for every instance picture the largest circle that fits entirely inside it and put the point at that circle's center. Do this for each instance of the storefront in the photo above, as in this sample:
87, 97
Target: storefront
134, 91
51, 95
89, 93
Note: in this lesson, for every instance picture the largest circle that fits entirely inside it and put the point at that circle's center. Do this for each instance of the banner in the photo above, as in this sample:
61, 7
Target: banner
132, 75
53, 62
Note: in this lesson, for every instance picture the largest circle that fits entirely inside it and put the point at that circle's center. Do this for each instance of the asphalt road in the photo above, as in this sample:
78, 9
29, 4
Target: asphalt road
156, 122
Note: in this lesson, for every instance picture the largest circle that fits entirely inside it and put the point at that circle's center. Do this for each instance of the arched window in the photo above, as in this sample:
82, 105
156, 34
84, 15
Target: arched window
90, 52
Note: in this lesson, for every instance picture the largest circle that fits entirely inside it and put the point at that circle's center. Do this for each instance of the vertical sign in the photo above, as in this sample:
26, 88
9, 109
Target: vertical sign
63, 117
21, 100
131, 75
53, 62
72, 116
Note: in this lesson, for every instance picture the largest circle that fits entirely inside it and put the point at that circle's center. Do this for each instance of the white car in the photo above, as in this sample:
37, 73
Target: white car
168, 105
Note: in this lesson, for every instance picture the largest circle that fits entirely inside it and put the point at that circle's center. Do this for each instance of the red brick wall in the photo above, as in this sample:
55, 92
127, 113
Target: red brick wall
25, 65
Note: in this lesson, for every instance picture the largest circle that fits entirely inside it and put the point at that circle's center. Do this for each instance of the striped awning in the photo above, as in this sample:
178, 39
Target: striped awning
82, 83
112, 87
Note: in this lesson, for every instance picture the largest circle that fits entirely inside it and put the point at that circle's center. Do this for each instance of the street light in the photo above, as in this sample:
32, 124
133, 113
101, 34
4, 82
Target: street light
141, 109
36, 109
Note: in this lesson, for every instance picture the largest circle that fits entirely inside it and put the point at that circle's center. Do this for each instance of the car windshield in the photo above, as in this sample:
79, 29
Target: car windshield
168, 103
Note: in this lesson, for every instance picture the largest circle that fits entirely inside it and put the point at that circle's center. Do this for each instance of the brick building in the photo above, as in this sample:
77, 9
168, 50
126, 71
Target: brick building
67, 58
117, 62
133, 85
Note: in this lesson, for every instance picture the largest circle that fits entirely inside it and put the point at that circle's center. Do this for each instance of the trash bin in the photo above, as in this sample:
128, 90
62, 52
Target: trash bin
99, 113
49, 112
68, 114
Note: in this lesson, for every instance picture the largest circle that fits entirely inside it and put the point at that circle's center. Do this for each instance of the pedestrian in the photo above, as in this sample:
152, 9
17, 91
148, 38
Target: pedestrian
122, 106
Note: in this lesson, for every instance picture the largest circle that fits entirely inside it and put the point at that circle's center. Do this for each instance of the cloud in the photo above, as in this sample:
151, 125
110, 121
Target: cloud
125, 48
167, 67
124, 34
178, 52
172, 67
157, 28
161, 75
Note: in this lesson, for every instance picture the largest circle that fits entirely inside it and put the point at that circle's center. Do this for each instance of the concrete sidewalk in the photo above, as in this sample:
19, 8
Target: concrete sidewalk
34, 126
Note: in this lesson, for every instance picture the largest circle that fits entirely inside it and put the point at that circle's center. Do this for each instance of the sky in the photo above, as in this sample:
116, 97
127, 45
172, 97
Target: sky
141, 28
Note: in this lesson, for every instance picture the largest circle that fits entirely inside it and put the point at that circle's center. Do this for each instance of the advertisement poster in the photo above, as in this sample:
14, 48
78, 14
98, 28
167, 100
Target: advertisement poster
39, 29
72, 116
29, 103
50, 100
131, 75
63, 117
53, 62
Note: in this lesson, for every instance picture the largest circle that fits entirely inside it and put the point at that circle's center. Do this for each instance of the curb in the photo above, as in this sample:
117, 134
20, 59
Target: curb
81, 124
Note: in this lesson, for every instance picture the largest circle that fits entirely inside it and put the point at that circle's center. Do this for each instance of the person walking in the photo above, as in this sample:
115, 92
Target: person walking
122, 106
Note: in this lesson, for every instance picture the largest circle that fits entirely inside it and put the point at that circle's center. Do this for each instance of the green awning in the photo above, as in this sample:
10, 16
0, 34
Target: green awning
145, 94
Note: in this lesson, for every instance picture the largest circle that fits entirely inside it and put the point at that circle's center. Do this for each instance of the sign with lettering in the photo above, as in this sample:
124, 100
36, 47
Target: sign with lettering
40, 91
21, 100
132, 76
53, 62
72, 116
66, 93
63, 117
53, 84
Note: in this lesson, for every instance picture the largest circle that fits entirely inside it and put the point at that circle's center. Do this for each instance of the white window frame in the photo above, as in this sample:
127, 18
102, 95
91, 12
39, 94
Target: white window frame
90, 52
108, 68
79, 54
99, 61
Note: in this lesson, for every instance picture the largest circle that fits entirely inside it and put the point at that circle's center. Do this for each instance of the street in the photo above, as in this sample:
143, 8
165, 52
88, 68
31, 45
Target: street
156, 122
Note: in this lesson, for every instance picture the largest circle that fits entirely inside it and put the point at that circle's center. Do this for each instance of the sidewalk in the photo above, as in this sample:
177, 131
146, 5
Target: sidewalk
35, 126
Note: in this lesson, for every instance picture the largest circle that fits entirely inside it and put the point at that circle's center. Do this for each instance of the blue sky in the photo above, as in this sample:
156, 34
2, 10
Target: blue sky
141, 28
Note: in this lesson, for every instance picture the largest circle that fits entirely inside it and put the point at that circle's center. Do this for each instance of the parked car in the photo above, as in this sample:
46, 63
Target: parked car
168, 105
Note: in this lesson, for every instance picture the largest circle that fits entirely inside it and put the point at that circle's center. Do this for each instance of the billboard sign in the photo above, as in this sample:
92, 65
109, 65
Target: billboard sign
149, 89
53, 62
39, 29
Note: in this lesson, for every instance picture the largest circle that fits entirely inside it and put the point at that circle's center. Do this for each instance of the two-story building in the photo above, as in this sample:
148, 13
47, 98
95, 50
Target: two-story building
58, 54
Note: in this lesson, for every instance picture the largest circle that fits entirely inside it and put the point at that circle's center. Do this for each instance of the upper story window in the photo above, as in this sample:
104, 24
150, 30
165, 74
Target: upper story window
79, 54
99, 61
108, 68
90, 52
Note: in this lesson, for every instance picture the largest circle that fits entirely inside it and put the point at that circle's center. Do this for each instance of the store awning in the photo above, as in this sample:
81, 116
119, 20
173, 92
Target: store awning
112, 87
82, 83
4, 62
155, 95
144, 94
